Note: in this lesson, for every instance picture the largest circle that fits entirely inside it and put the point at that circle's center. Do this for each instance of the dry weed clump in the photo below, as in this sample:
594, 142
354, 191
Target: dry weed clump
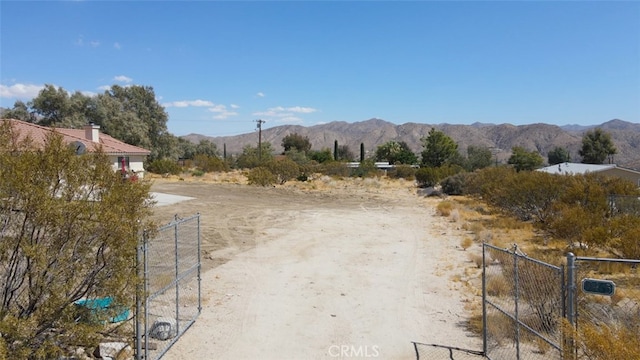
444, 208
498, 286
476, 259
371, 183
466, 243
455, 215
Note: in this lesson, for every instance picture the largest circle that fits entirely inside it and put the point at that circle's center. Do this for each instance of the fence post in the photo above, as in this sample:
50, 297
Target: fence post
145, 286
571, 288
199, 270
516, 295
139, 290
484, 299
175, 233
571, 301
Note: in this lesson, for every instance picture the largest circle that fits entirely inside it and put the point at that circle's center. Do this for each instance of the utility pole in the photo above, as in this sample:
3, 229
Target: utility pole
260, 122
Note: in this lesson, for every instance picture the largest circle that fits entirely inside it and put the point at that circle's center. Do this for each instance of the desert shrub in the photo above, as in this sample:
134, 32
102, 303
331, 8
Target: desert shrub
75, 236
624, 232
164, 166
261, 176
283, 169
402, 172
366, 168
601, 342
209, 163
454, 185
427, 176
335, 168
197, 172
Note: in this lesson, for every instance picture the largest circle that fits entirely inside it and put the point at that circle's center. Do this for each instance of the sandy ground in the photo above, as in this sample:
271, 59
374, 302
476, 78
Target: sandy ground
353, 270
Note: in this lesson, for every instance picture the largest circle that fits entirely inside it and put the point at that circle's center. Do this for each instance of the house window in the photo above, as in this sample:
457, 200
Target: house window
123, 163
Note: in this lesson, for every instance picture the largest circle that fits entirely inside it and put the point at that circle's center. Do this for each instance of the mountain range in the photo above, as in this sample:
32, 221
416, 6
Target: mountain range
501, 138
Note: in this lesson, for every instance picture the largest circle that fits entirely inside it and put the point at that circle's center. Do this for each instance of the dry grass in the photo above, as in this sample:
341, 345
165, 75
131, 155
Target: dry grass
498, 286
476, 259
466, 243
444, 208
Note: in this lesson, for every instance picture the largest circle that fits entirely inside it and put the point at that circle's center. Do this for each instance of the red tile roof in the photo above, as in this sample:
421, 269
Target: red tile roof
110, 145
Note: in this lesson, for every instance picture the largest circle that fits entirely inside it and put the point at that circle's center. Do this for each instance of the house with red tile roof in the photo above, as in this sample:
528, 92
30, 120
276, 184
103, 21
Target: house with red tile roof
122, 155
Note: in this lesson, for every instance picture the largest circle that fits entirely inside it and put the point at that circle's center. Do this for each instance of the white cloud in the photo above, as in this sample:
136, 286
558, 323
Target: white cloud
80, 42
20, 91
104, 87
117, 45
234, 106
122, 78
225, 114
260, 94
222, 112
290, 120
283, 112
301, 109
187, 103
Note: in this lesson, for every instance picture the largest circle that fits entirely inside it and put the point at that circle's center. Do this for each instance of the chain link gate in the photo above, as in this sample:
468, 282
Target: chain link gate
170, 262
523, 306
603, 297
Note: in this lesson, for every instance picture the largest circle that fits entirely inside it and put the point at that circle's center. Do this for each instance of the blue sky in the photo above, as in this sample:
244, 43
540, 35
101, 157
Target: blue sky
218, 66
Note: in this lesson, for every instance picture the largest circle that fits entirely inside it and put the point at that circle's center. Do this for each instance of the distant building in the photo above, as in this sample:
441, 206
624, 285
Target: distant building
123, 156
605, 169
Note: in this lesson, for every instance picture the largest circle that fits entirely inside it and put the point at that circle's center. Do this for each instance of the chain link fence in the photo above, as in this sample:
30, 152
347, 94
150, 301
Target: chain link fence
172, 302
433, 351
604, 303
523, 306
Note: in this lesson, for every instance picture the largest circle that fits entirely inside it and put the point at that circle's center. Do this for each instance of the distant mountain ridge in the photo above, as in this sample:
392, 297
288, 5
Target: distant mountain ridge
374, 132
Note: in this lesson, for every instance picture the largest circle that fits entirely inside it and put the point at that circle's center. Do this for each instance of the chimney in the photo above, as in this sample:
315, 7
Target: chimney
92, 132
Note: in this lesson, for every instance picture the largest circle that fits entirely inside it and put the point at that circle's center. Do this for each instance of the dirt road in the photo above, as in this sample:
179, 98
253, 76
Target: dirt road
349, 272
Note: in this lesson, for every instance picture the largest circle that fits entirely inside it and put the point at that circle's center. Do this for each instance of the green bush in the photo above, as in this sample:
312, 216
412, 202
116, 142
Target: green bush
261, 176
197, 172
283, 169
427, 176
164, 166
335, 168
366, 168
454, 185
402, 172
208, 163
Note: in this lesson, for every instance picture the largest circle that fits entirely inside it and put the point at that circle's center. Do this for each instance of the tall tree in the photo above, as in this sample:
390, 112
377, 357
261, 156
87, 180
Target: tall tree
521, 159
344, 153
478, 157
249, 158
56, 107
296, 141
20, 111
396, 153
139, 103
558, 155
438, 149
206, 147
596, 147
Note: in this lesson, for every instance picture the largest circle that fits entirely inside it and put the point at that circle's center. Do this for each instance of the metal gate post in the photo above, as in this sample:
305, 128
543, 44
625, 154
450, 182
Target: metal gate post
571, 288
484, 298
517, 299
